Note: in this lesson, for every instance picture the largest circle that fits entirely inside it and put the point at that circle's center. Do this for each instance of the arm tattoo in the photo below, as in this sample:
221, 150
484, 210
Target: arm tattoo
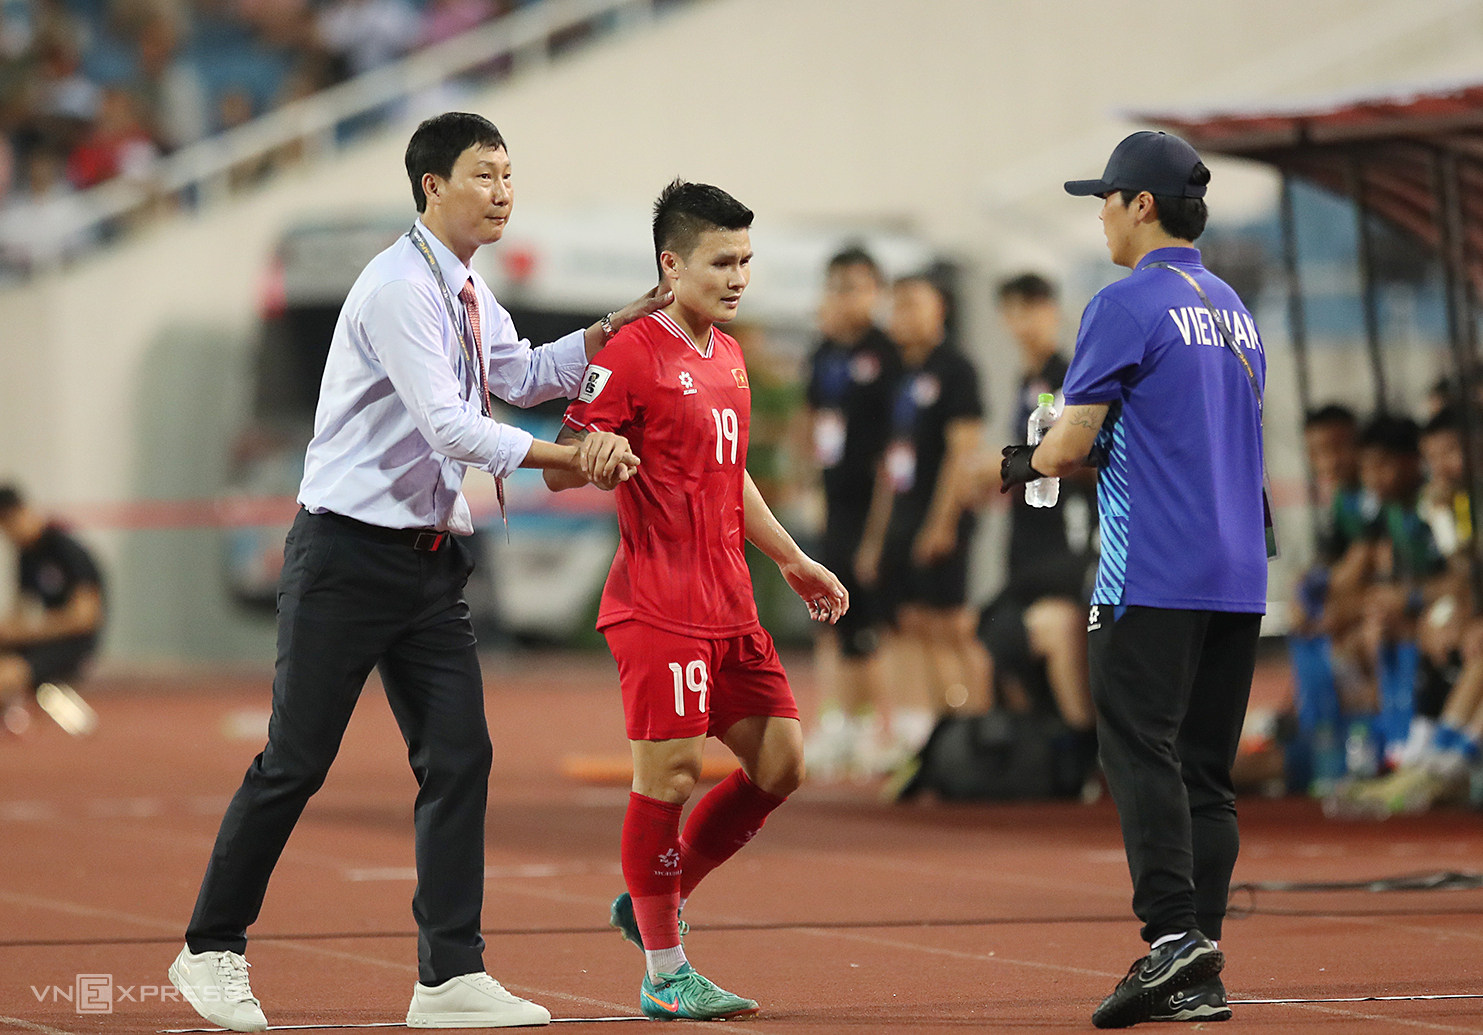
1082, 420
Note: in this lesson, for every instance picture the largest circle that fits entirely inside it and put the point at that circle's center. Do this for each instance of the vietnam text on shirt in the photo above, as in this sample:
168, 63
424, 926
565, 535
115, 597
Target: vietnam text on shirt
1182, 441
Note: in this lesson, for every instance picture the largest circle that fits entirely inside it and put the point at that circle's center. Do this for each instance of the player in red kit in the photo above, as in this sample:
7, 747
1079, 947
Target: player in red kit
678, 611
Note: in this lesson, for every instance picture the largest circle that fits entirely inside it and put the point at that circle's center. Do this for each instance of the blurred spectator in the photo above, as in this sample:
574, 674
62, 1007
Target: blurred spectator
114, 83
54, 629
44, 224
366, 34
116, 145
851, 380
7, 169
1447, 511
444, 19
172, 93
1331, 437
281, 23
916, 543
234, 108
1444, 731
1356, 679
1035, 629
64, 102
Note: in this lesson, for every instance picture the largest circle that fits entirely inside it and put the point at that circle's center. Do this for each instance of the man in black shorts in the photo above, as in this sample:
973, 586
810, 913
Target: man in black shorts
54, 628
920, 528
1035, 629
852, 375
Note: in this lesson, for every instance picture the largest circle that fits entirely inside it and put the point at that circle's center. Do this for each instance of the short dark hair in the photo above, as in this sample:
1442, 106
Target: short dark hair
920, 277
1027, 287
1333, 413
10, 499
1398, 435
437, 143
1181, 218
856, 255
1448, 418
684, 211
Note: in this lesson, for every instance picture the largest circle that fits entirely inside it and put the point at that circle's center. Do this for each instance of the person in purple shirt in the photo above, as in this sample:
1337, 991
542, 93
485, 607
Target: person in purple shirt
1164, 392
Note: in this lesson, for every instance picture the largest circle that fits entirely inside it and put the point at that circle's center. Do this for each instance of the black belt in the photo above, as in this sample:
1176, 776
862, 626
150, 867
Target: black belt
429, 540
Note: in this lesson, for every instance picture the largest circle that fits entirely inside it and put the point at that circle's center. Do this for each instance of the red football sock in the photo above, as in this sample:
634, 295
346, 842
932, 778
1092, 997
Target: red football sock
651, 868
724, 820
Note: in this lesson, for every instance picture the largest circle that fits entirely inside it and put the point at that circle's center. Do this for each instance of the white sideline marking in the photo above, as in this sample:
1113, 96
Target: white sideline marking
45, 1029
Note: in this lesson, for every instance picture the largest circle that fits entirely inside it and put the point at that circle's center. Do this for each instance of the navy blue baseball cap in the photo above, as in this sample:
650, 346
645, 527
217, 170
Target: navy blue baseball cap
1157, 162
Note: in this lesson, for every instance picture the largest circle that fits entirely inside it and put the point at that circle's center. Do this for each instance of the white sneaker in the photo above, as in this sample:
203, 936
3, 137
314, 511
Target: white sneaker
471, 1001
215, 983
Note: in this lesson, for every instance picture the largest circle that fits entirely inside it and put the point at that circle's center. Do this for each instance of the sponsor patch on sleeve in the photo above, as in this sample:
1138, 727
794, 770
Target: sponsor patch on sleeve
593, 382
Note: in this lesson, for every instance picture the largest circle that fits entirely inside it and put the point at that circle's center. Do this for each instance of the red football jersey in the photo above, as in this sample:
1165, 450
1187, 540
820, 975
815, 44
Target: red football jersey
680, 564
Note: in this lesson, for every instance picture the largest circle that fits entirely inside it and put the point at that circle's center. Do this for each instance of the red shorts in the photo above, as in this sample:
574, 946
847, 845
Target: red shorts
678, 686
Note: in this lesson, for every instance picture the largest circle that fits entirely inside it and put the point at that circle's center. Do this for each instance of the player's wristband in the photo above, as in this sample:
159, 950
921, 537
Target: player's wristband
608, 330
1015, 469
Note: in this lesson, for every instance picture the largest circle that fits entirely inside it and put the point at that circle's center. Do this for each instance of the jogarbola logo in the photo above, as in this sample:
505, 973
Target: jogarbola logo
687, 382
740, 375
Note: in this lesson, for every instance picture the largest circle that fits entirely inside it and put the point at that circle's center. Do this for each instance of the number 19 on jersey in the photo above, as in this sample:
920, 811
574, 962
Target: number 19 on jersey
727, 430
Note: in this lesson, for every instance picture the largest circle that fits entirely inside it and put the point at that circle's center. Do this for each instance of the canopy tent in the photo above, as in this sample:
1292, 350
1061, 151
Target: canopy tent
1414, 159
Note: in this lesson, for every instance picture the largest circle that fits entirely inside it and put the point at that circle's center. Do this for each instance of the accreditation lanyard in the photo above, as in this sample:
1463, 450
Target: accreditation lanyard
468, 354
1256, 388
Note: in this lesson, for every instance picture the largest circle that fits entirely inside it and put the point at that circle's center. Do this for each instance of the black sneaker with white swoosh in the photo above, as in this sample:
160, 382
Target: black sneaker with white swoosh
1203, 1002
1172, 967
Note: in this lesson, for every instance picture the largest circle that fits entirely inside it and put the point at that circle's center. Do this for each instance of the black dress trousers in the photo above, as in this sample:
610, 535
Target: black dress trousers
351, 599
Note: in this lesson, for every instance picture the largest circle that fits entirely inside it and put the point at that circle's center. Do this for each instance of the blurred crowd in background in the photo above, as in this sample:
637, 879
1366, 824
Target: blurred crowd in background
91, 90
1387, 641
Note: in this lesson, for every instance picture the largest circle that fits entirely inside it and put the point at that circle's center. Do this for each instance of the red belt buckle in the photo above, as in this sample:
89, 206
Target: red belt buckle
428, 541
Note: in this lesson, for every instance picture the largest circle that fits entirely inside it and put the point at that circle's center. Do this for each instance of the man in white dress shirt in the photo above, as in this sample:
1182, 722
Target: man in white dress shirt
372, 577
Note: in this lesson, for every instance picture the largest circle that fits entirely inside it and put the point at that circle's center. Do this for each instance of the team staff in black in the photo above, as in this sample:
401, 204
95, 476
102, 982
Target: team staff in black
372, 577
1166, 383
852, 375
1035, 629
42, 651
920, 528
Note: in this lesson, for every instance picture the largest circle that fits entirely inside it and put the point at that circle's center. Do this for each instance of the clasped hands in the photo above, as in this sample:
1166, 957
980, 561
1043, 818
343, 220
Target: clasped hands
605, 459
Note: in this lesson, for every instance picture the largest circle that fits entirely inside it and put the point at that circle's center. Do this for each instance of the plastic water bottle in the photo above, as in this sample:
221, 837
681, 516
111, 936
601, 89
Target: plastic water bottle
1042, 492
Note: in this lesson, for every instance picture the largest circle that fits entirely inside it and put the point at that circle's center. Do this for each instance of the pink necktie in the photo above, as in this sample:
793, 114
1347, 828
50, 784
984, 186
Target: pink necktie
471, 303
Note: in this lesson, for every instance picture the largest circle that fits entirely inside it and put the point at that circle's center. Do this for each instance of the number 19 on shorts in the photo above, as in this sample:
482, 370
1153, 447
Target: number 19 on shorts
692, 678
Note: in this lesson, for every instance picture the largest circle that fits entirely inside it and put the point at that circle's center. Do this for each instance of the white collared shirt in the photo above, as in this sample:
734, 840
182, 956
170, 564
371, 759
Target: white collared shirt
399, 420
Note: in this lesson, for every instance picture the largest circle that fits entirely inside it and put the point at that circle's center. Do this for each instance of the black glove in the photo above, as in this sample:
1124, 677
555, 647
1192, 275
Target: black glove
1015, 468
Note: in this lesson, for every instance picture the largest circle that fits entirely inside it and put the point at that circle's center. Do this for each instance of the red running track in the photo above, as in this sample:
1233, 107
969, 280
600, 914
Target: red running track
845, 915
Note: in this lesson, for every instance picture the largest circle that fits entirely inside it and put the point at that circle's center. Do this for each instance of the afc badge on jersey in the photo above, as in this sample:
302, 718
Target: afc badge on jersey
592, 382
